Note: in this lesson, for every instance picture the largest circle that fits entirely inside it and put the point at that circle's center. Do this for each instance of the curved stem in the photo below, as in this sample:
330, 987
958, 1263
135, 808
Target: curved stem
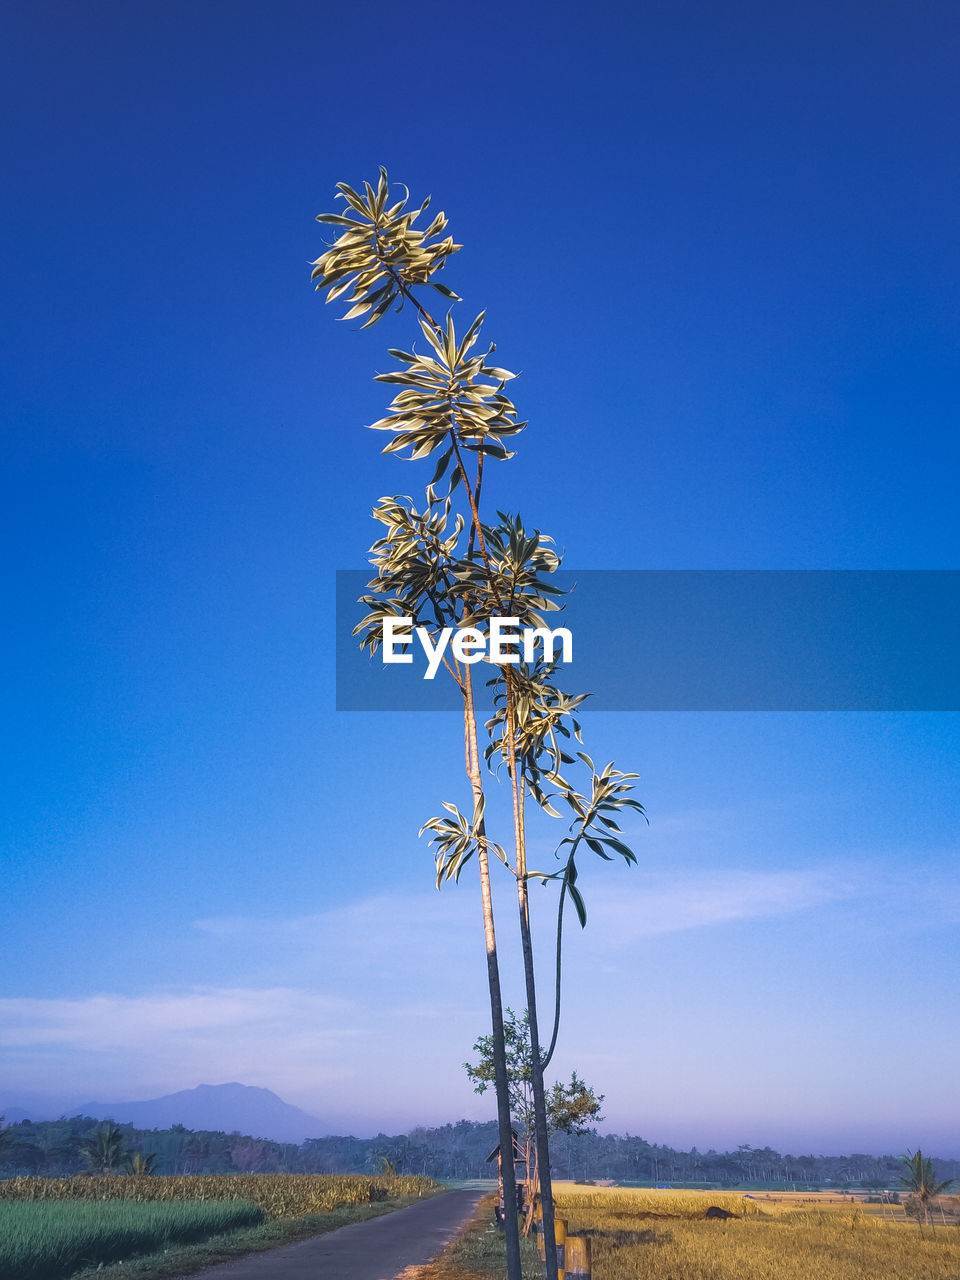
556, 1012
563, 894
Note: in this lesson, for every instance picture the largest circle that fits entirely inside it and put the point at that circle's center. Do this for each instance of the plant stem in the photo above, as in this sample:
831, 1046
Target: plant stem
507, 1172
536, 1063
511, 1229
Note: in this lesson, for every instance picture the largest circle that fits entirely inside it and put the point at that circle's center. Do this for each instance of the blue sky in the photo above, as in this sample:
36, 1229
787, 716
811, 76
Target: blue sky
719, 242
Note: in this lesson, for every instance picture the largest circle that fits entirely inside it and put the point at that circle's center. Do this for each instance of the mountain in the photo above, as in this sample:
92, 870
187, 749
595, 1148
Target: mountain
256, 1112
13, 1115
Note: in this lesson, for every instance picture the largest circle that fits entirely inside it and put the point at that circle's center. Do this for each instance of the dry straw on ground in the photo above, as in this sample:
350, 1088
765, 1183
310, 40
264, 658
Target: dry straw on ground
663, 1235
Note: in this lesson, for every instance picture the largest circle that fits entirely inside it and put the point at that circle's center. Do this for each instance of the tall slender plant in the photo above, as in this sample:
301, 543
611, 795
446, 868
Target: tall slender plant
451, 402
104, 1151
920, 1179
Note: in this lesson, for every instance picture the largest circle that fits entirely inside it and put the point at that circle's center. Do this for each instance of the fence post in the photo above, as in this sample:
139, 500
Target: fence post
577, 1257
560, 1233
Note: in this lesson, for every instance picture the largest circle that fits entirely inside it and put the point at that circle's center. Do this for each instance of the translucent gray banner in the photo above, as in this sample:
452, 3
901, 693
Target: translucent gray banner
714, 640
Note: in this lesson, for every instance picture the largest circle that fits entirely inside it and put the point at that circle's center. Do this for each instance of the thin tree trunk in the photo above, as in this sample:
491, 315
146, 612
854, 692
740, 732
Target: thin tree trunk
501, 1083
539, 1100
511, 1228
550, 1265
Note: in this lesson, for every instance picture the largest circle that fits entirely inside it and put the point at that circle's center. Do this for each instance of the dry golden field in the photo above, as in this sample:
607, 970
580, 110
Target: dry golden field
663, 1235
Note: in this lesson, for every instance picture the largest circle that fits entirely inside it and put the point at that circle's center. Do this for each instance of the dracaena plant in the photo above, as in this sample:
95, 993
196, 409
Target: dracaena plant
380, 254
450, 404
450, 399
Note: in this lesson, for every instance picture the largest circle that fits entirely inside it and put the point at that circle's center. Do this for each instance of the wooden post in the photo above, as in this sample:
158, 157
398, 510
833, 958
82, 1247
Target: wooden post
577, 1258
560, 1231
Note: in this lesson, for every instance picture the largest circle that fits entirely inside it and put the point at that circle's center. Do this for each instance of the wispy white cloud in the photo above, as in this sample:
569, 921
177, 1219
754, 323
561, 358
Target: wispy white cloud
324, 1051
385, 946
642, 904
427, 921
659, 905
381, 922
104, 1023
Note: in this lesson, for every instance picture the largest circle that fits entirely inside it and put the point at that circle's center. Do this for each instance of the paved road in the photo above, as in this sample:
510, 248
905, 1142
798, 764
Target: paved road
376, 1250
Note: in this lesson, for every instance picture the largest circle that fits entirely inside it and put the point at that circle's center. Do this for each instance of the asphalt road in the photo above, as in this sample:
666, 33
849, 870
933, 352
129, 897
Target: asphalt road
376, 1250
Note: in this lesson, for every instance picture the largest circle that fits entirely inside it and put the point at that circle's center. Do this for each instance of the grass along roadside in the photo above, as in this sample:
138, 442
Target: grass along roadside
185, 1261
478, 1253
178, 1259
55, 1239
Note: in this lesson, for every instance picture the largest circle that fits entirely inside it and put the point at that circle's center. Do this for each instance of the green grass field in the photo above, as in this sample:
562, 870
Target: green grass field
53, 1239
153, 1228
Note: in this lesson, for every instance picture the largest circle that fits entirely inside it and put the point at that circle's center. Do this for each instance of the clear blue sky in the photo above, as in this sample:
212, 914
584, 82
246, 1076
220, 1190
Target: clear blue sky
720, 243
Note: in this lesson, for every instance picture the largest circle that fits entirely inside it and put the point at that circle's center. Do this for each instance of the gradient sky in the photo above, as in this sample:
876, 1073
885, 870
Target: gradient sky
720, 243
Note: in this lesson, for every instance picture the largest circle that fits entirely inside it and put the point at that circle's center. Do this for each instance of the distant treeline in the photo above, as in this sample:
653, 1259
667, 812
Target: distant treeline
55, 1148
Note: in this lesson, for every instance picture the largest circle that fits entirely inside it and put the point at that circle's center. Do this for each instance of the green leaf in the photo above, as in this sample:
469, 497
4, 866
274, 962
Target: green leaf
442, 465
577, 899
620, 847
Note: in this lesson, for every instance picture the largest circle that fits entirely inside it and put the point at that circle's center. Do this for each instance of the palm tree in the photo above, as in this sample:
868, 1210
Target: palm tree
104, 1151
141, 1165
921, 1181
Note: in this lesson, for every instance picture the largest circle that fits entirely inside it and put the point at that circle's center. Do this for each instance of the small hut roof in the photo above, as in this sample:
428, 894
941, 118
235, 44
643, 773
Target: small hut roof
517, 1149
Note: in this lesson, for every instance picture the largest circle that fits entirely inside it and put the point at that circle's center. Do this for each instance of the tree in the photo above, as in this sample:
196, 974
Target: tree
920, 1180
248, 1155
104, 1151
141, 1165
570, 1108
451, 402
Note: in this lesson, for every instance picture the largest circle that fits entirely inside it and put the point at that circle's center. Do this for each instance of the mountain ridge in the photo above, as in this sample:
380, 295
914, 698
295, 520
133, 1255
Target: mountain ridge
227, 1108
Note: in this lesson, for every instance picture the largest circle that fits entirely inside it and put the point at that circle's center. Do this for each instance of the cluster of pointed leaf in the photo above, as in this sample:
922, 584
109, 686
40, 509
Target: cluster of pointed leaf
416, 566
592, 824
449, 397
540, 712
380, 254
510, 580
421, 576
457, 839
